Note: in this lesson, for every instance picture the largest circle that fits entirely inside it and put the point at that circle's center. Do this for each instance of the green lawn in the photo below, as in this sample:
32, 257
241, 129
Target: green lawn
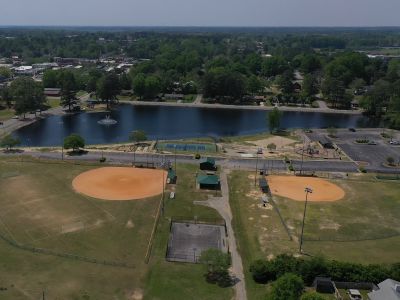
368, 211
189, 98
6, 114
170, 280
53, 101
81, 93
124, 97
39, 208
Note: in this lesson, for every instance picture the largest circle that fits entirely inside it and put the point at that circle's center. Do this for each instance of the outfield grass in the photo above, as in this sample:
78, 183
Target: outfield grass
37, 202
369, 210
171, 280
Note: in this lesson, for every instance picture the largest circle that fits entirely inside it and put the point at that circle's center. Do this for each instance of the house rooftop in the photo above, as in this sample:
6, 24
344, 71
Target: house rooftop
389, 289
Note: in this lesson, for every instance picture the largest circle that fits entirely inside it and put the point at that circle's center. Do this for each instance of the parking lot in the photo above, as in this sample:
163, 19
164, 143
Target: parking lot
373, 154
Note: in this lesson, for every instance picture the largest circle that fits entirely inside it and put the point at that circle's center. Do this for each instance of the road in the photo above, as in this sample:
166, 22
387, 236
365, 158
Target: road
221, 204
270, 165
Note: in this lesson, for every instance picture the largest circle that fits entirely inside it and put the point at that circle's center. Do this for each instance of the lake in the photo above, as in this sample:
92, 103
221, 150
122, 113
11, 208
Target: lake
167, 122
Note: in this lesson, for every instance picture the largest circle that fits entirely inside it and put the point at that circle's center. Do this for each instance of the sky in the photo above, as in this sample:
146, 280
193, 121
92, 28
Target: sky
201, 12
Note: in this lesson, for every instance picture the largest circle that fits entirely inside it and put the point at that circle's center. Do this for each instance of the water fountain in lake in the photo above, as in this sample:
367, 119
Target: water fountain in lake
107, 121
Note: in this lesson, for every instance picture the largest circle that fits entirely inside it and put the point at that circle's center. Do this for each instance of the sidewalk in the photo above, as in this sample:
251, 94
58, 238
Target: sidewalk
221, 204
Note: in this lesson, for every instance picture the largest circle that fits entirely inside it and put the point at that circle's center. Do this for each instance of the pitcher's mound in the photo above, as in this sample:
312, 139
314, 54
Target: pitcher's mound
119, 183
292, 187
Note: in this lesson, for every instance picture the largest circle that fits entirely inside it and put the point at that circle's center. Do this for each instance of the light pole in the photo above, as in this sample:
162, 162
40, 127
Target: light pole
308, 191
302, 156
255, 175
163, 189
175, 158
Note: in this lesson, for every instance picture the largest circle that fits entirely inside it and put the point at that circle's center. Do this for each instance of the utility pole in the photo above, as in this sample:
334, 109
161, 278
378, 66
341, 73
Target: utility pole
308, 191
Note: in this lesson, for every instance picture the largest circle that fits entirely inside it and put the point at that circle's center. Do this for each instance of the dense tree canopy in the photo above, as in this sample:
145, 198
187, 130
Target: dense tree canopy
27, 94
108, 88
225, 66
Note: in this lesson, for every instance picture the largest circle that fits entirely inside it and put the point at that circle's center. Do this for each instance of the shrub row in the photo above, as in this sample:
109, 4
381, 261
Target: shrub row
264, 271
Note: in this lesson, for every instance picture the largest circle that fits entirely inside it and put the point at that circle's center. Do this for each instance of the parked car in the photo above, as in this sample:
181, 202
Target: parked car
260, 151
352, 130
371, 143
354, 294
393, 142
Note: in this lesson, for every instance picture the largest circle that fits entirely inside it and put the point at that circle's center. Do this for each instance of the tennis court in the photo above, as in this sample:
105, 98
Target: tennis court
186, 147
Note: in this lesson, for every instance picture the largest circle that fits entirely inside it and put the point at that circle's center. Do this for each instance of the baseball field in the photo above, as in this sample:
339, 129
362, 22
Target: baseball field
63, 238
361, 225
41, 210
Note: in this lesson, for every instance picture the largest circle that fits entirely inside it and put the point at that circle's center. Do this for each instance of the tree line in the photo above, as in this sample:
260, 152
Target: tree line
291, 69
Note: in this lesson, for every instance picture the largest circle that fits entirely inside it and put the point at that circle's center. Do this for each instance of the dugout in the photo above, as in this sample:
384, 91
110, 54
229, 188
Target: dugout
324, 285
171, 176
208, 164
263, 184
208, 182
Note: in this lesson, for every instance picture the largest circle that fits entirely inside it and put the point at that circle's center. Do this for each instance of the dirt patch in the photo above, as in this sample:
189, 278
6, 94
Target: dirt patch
254, 194
129, 224
279, 141
72, 227
292, 187
136, 295
267, 206
119, 183
327, 224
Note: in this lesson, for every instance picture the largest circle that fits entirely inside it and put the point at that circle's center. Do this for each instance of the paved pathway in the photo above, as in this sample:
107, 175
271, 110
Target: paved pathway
322, 104
11, 125
221, 204
198, 99
252, 107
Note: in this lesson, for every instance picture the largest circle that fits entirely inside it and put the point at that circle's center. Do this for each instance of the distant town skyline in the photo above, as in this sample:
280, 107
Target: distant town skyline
261, 13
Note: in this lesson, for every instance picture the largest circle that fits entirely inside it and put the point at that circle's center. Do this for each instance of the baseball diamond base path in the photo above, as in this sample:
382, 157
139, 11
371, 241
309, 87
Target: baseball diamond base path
120, 183
292, 187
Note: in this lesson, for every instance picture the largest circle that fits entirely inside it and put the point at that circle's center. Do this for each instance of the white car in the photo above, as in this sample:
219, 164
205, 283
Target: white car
354, 294
393, 142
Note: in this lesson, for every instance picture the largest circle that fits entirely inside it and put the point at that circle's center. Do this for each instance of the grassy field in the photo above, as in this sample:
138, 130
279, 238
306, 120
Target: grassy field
170, 280
53, 101
39, 208
6, 114
356, 228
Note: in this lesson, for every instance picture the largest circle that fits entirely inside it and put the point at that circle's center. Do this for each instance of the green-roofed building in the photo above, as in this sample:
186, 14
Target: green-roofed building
208, 182
171, 177
208, 164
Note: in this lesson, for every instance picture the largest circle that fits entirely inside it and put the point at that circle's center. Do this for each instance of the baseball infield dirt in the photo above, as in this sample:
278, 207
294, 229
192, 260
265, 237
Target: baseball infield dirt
120, 183
292, 187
